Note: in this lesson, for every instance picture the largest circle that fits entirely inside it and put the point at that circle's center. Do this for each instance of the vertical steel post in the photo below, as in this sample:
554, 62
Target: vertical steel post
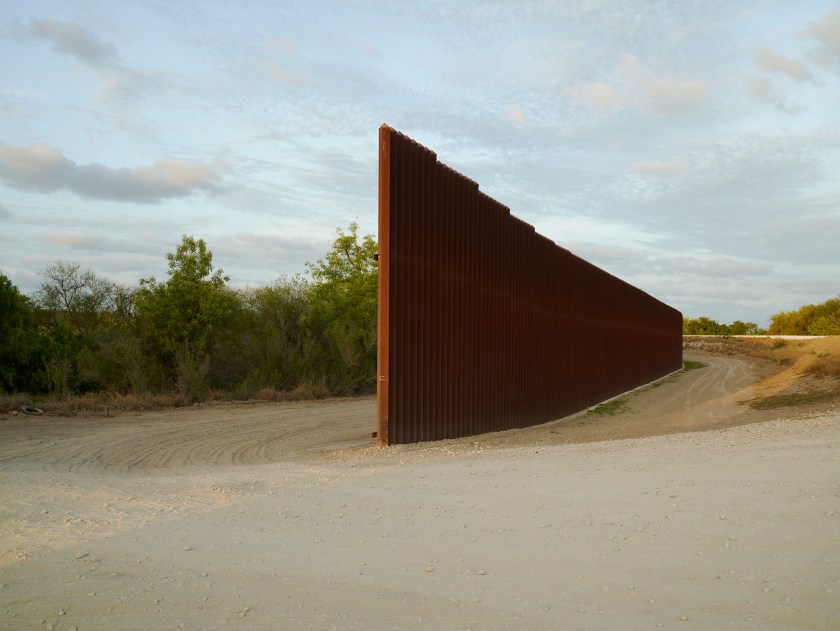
384, 303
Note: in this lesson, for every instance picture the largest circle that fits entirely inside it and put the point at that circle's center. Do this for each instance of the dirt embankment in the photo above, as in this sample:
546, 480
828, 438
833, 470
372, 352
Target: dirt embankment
264, 516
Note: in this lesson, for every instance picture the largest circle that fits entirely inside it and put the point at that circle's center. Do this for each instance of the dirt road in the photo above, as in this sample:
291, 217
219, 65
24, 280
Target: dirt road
260, 433
274, 516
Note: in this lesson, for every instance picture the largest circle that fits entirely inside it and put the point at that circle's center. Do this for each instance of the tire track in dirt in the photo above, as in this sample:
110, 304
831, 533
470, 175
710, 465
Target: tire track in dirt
690, 400
210, 437
111, 474
713, 396
98, 476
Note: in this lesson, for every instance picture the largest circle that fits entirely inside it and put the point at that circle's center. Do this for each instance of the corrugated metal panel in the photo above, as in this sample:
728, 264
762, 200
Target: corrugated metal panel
485, 325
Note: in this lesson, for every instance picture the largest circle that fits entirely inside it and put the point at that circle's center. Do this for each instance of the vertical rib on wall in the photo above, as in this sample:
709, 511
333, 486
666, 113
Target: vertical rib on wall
485, 325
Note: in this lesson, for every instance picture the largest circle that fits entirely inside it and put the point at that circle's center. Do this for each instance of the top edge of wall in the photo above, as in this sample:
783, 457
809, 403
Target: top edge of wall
486, 197
407, 139
474, 183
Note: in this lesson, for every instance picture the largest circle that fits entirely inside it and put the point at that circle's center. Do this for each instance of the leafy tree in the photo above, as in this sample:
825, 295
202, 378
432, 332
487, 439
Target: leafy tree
744, 328
342, 317
273, 341
706, 326
21, 348
821, 319
126, 367
825, 325
181, 316
702, 326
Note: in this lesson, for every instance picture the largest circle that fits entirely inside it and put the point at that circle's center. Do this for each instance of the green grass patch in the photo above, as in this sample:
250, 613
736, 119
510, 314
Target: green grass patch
610, 407
693, 365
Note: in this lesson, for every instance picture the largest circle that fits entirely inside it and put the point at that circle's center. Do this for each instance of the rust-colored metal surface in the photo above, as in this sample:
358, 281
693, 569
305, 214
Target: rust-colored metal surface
485, 325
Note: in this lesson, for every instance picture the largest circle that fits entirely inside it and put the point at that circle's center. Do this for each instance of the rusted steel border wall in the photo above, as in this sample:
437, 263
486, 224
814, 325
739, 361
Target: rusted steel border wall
485, 325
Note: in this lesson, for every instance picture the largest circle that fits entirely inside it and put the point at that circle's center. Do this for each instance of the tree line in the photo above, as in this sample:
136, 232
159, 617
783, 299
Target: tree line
821, 319
191, 333
707, 326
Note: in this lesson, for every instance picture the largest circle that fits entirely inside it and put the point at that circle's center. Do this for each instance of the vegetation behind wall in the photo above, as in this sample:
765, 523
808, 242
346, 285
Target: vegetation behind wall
191, 335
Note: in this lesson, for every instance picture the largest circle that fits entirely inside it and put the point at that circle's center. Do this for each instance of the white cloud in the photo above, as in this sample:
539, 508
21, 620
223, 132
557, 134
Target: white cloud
287, 45
657, 167
656, 94
775, 62
27, 167
266, 246
127, 86
670, 95
724, 267
599, 95
619, 257
281, 74
516, 114
368, 48
575, 230
43, 169
120, 88
71, 39
762, 90
74, 239
721, 181
826, 30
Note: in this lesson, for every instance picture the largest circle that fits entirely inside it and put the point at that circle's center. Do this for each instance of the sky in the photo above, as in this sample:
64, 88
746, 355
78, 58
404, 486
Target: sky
690, 148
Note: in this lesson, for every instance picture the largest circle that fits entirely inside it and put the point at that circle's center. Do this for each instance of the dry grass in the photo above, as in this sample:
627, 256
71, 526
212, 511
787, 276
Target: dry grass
13, 402
757, 348
92, 404
309, 390
794, 372
820, 356
108, 404
302, 392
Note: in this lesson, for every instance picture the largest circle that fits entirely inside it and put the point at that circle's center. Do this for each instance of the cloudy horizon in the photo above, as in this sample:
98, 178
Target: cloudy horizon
690, 148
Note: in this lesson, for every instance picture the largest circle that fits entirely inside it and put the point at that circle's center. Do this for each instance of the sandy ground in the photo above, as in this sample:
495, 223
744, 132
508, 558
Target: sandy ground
687, 510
